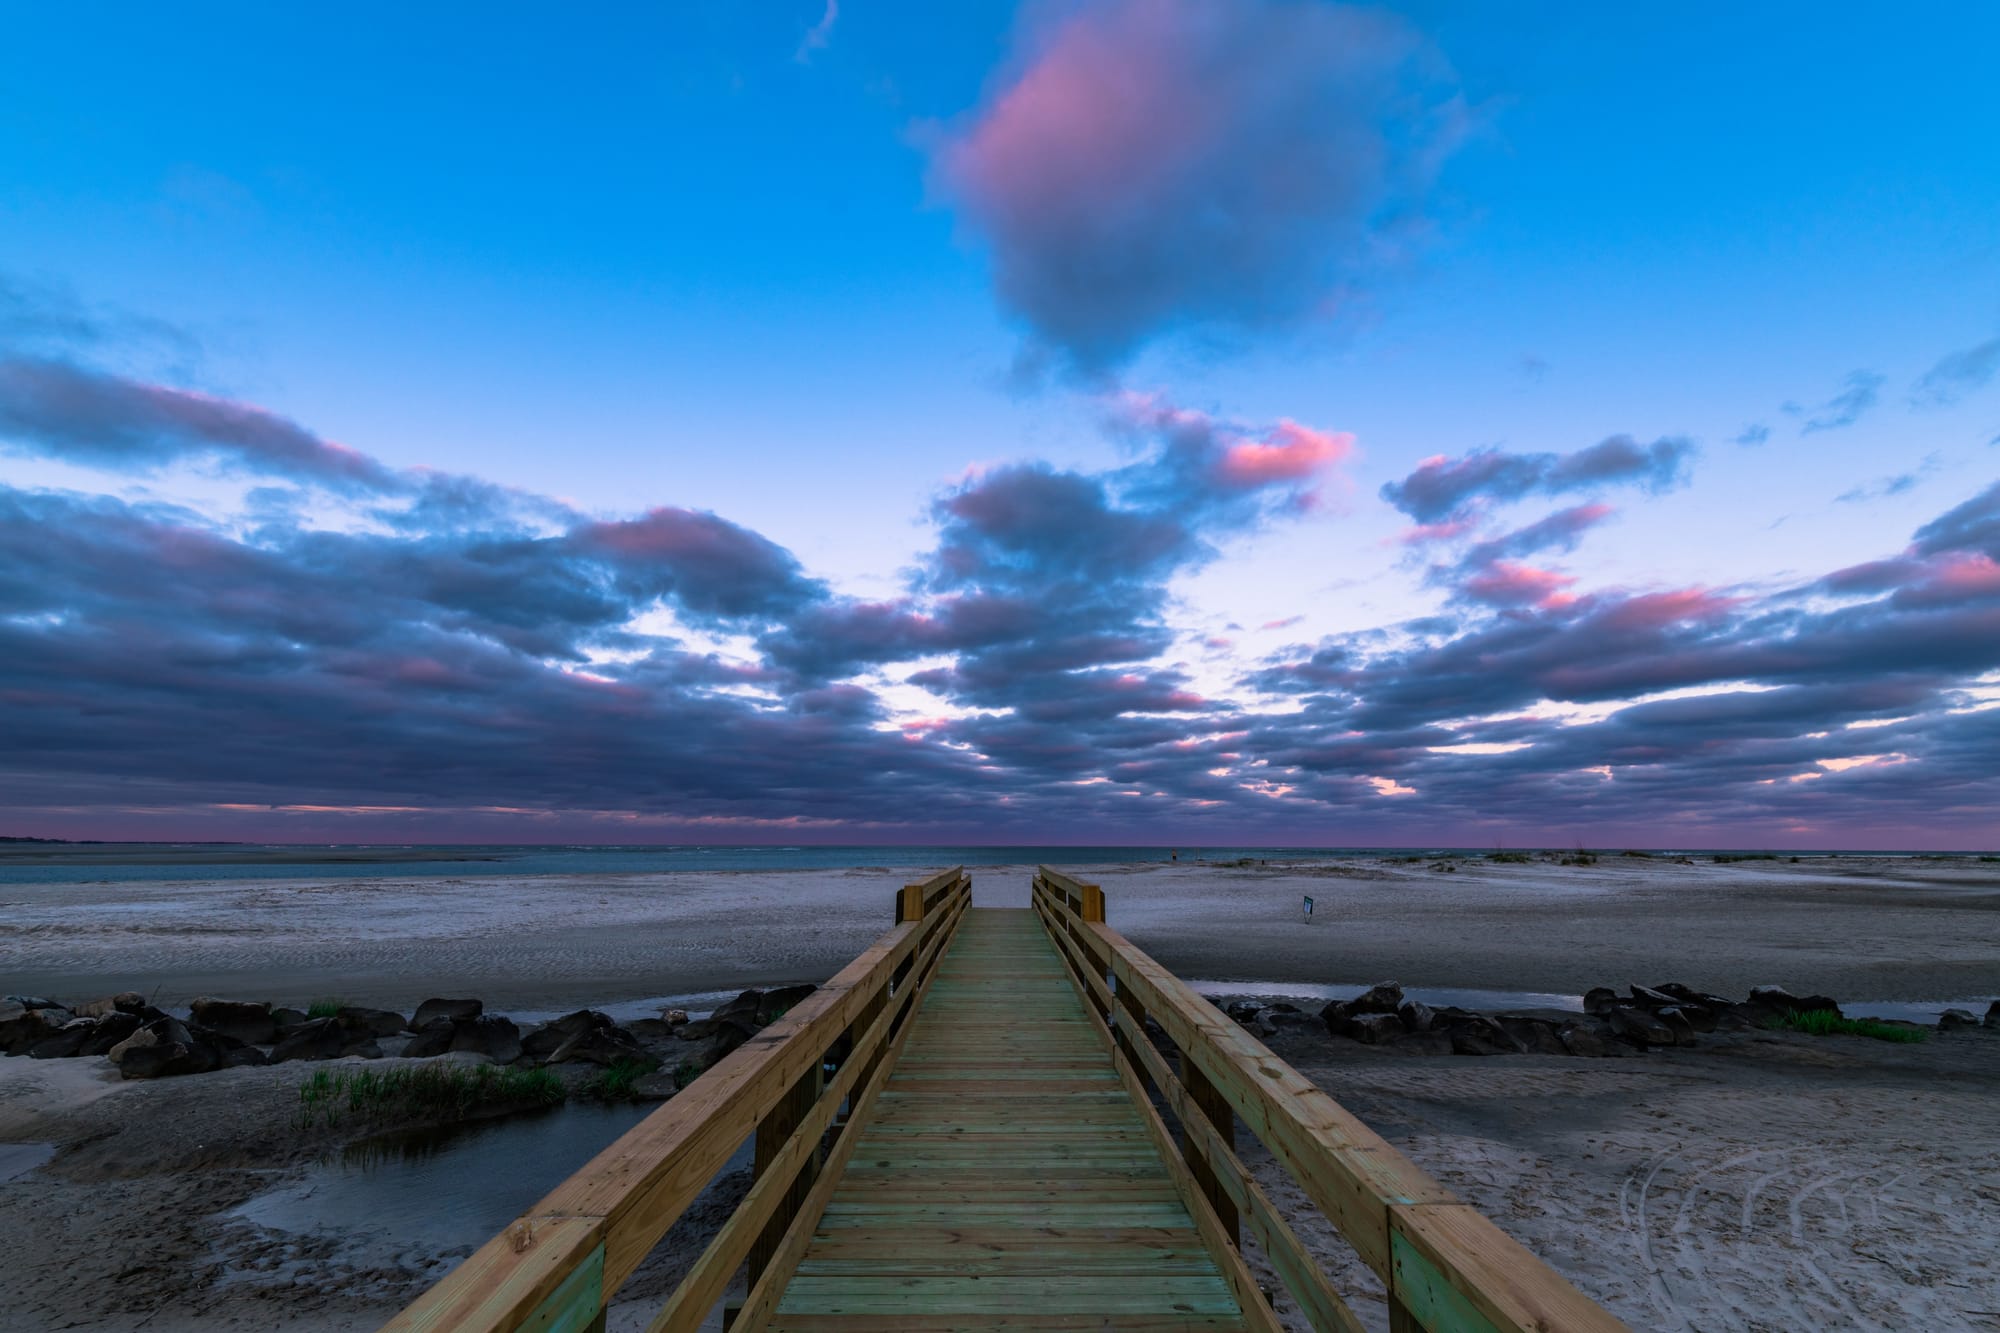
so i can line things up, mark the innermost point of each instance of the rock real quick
(598, 1046)
(1733, 1019)
(779, 1000)
(365, 1047)
(1640, 1027)
(434, 1038)
(1600, 1000)
(1243, 1011)
(369, 1022)
(1287, 1016)
(111, 1029)
(432, 1010)
(247, 1022)
(33, 1002)
(744, 1007)
(1688, 995)
(244, 1056)
(1338, 1016)
(489, 1035)
(1384, 997)
(289, 1018)
(656, 1086)
(1376, 1029)
(1676, 1018)
(675, 1017)
(545, 1040)
(1650, 998)
(702, 1029)
(31, 1025)
(68, 1040)
(1993, 1014)
(651, 1029)
(1784, 1002)
(1479, 1035)
(164, 1048)
(707, 1054)
(127, 1002)
(1417, 1016)
(314, 1039)
(1578, 1039)
(1949, 1020)
(1536, 1035)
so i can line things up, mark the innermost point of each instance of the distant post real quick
(1309, 907)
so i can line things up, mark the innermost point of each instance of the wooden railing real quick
(558, 1266)
(1445, 1266)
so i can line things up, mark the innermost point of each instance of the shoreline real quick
(1874, 930)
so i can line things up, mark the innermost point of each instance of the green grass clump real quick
(1510, 858)
(616, 1083)
(1724, 858)
(1826, 1023)
(1990, 858)
(324, 1008)
(428, 1091)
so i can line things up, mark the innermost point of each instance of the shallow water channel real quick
(448, 1188)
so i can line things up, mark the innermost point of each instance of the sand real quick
(1855, 928)
(1756, 1183)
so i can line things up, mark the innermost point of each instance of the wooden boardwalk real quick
(1006, 1179)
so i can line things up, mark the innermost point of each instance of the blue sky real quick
(858, 280)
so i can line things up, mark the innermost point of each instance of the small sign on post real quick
(1309, 906)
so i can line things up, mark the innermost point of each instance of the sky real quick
(1140, 421)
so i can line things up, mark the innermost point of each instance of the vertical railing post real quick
(1214, 1108)
(773, 1131)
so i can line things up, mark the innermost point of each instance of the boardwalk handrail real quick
(1444, 1264)
(558, 1265)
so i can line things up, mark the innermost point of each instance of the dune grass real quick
(324, 1007)
(616, 1083)
(1826, 1023)
(428, 1091)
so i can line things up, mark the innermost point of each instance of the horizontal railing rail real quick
(1444, 1264)
(557, 1267)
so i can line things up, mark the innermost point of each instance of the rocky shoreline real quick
(1644, 1018)
(145, 1042)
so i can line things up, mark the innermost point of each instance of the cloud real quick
(58, 409)
(1442, 489)
(819, 34)
(1956, 375)
(1862, 389)
(1150, 166)
(1753, 434)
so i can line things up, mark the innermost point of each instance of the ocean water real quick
(83, 863)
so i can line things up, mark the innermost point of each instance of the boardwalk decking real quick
(1005, 1179)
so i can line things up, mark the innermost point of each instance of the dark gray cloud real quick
(1160, 165)
(1957, 374)
(1442, 489)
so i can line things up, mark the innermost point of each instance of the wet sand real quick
(1853, 927)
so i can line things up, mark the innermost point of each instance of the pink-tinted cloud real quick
(1153, 164)
(1290, 452)
(1505, 583)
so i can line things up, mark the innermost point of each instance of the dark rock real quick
(489, 1035)
(28, 1027)
(743, 1007)
(1784, 1002)
(68, 1040)
(432, 1010)
(1689, 996)
(1243, 1010)
(1993, 1014)
(128, 1002)
(652, 1029)
(599, 1046)
(111, 1029)
(1417, 1016)
(250, 1023)
(780, 999)
(1733, 1019)
(1948, 1021)
(705, 1055)
(656, 1086)
(1279, 1016)
(545, 1040)
(314, 1039)
(1479, 1035)
(1649, 998)
(1536, 1035)
(673, 1017)
(703, 1029)
(369, 1022)
(164, 1048)
(243, 1056)
(434, 1038)
(1600, 1000)
(1640, 1027)
(1584, 1040)
(1384, 997)
(1338, 1015)
(34, 1002)
(1376, 1029)
(364, 1046)
(1676, 1018)
(289, 1018)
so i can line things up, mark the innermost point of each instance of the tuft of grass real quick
(1724, 858)
(1826, 1023)
(616, 1083)
(1990, 858)
(1509, 858)
(429, 1090)
(325, 1007)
